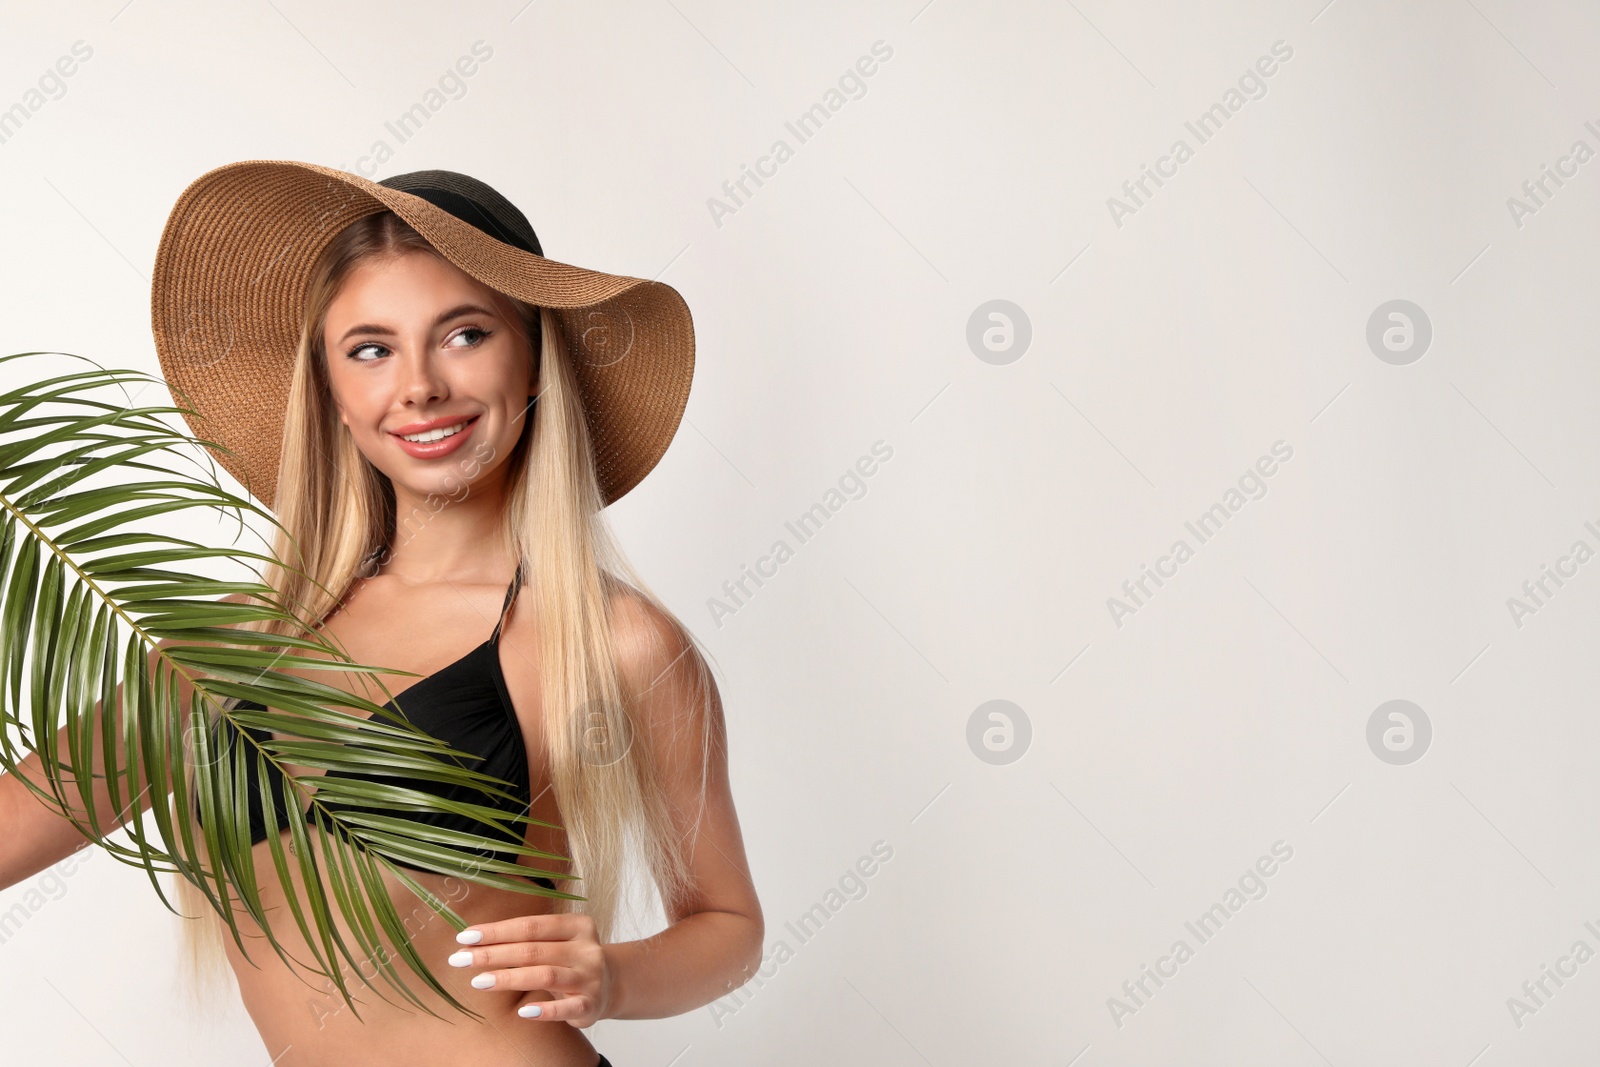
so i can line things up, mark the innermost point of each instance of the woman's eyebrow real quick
(455, 312)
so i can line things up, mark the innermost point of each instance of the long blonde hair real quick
(339, 511)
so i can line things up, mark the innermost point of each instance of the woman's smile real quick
(435, 437)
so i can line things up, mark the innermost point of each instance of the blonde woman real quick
(438, 415)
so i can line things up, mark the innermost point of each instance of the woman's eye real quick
(479, 336)
(473, 335)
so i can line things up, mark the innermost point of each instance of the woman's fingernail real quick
(461, 959)
(469, 937)
(483, 981)
(530, 1011)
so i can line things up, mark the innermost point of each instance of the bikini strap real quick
(511, 594)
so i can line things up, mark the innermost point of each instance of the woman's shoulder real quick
(641, 628)
(654, 649)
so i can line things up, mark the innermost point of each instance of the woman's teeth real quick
(435, 435)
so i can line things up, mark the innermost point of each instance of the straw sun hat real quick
(228, 292)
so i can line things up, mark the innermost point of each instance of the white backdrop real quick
(1340, 350)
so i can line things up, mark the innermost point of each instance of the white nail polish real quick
(483, 981)
(461, 959)
(530, 1011)
(469, 937)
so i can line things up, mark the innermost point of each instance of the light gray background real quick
(1168, 353)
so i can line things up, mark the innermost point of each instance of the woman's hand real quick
(557, 952)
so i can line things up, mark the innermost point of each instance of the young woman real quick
(438, 414)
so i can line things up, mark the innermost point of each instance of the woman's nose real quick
(420, 381)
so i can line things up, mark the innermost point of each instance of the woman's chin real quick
(435, 490)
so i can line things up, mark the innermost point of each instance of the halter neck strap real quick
(511, 594)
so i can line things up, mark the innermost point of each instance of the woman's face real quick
(429, 371)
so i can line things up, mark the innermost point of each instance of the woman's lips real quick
(442, 447)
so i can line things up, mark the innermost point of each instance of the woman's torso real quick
(300, 1014)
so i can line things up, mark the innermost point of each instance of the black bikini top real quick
(466, 705)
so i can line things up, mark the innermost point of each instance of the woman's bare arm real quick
(714, 942)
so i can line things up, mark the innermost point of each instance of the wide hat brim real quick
(227, 299)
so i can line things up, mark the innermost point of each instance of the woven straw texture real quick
(227, 295)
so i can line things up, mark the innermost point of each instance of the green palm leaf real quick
(100, 609)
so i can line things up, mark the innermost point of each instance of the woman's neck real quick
(438, 539)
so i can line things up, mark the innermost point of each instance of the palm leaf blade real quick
(92, 589)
